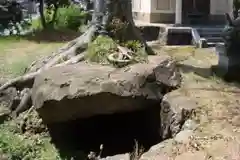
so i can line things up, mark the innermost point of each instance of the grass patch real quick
(16, 53)
(20, 147)
(179, 53)
(17, 68)
(17, 146)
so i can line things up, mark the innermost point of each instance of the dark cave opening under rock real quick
(118, 132)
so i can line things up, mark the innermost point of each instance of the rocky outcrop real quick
(9, 99)
(176, 127)
(175, 110)
(163, 150)
(85, 90)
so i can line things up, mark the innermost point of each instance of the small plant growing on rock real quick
(100, 48)
(137, 152)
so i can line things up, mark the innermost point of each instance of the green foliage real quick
(100, 48)
(103, 46)
(70, 17)
(17, 68)
(67, 17)
(140, 54)
(12, 18)
(236, 4)
(236, 7)
(133, 45)
(17, 147)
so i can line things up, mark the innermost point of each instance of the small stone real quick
(118, 157)
(183, 136)
(236, 121)
(190, 125)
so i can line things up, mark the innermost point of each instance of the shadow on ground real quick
(209, 73)
(118, 133)
(48, 36)
(203, 72)
(51, 35)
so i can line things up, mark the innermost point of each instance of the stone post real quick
(178, 12)
(230, 5)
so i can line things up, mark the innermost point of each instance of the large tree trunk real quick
(41, 11)
(106, 12)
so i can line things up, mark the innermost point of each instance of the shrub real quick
(70, 17)
(67, 17)
(133, 45)
(100, 48)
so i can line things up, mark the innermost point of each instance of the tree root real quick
(20, 80)
(68, 54)
(73, 60)
(24, 104)
(73, 52)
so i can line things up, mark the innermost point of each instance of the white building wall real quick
(141, 6)
(219, 7)
(163, 6)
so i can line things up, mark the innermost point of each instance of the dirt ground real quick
(217, 136)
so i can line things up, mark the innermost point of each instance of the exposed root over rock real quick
(104, 25)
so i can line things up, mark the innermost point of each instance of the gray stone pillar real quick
(178, 12)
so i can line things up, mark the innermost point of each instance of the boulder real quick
(163, 150)
(184, 136)
(84, 90)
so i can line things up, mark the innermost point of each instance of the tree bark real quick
(55, 10)
(106, 12)
(41, 11)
